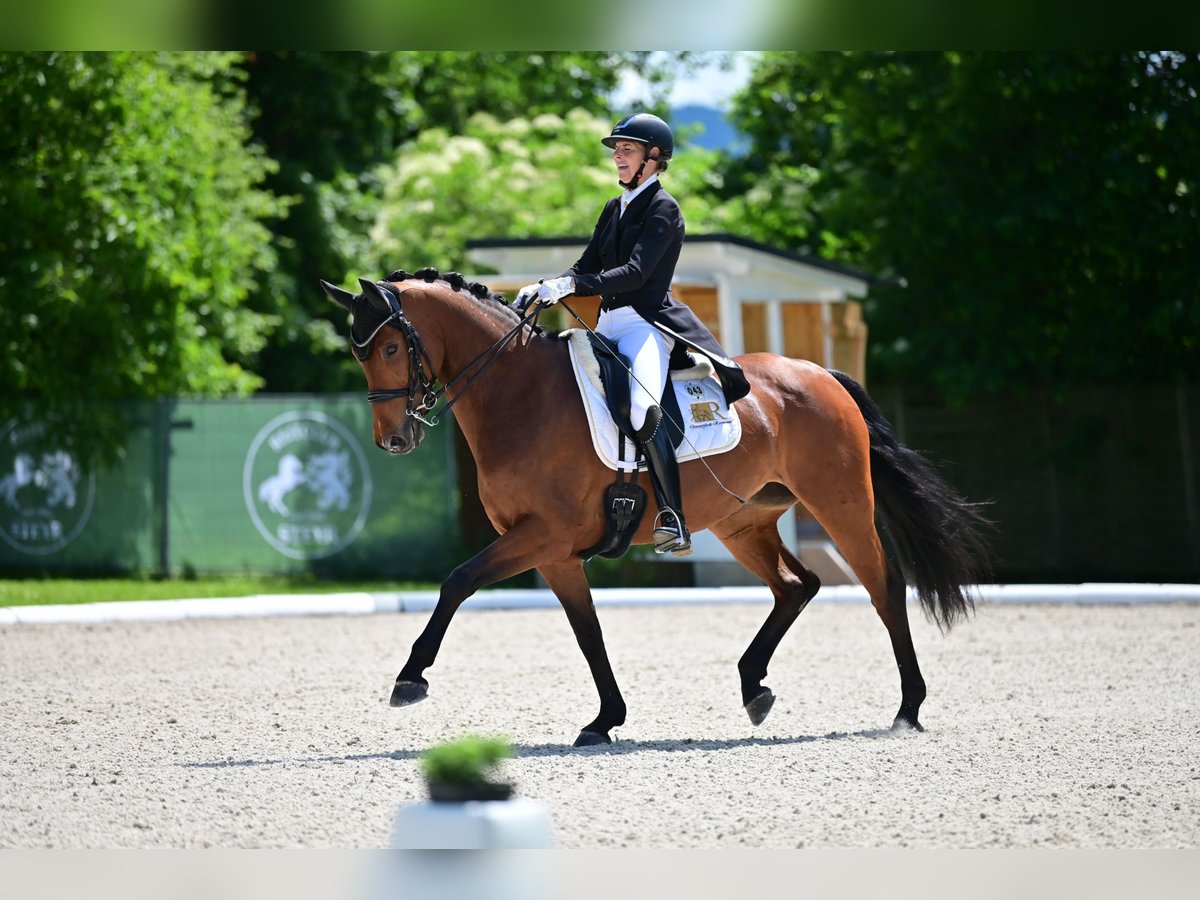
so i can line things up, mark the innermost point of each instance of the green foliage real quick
(1041, 207)
(467, 760)
(544, 176)
(548, 176)
(450, 86)
(134, 190)
(132, 233)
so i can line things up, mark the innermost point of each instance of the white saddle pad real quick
(711, 427)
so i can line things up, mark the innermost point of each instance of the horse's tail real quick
(935, 534)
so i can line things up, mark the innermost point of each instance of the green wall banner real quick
(262, 484)
(55, 515)
(1087, 484)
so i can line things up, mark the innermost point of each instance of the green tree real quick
(546, 176)
(1040, 207)
(132, 233)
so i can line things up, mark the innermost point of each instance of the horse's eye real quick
(391, 350)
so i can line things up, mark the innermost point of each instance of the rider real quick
(629, 263)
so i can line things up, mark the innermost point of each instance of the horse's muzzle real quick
(396, 445)
(406, 441)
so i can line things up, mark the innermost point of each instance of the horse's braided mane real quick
(456, 281)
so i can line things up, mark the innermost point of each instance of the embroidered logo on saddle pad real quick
(711, 427)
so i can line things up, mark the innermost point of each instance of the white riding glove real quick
(550, 292)
(547, 292)
(525, 295)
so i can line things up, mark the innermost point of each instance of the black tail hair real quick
(935, 535)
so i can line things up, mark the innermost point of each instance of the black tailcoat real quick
(630, 261)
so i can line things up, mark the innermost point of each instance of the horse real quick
(809, 435)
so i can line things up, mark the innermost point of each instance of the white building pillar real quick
(775, 327)
(729, 314)
(827, 333)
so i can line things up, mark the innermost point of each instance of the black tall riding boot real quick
(670, 531)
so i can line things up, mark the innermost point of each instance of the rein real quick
(418, 359)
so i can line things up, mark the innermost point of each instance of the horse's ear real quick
(337, 295)
(375, 295)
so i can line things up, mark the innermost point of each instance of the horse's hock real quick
(799, 530)
(822, 557)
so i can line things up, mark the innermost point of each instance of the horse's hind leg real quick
(852, 528)
(912, 684)
(752, 536)
(570, 585)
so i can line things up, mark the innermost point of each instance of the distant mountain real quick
(714, 131)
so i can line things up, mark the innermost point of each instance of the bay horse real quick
(809, 435)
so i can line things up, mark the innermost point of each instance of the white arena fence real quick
(424, 601)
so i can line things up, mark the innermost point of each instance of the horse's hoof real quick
(591, 739)
(903, 724)
(759, 705)
(406, 693)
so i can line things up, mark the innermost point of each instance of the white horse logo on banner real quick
(307, 485)
(40, 502)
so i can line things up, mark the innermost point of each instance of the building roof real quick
(717, 237)
(759, 269)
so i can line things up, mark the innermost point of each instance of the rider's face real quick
(627, 156)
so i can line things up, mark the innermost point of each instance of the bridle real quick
(418, 360)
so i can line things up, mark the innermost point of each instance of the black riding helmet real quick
(645, 129)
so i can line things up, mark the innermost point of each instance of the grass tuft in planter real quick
(459, 770)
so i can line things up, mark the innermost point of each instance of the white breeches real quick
(648, 350)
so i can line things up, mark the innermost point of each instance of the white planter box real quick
(475, 825)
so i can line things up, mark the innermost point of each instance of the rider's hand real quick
(526, 294)
(550, 292)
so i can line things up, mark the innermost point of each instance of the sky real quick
(706, 87)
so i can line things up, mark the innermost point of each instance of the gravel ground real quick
(1047, 726)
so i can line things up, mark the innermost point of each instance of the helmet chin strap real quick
(637, 176)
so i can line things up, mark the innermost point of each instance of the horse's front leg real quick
(570, 585)
(518, 550)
